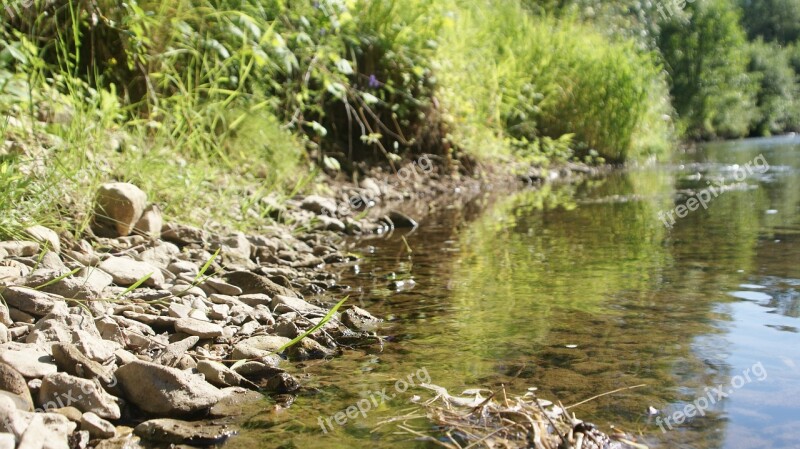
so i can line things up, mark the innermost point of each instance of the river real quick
(581, 289)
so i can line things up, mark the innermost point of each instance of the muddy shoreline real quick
(144, 332)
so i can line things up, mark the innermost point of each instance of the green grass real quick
(210, 105)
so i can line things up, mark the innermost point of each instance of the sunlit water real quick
(580, 290)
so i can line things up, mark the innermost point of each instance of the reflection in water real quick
(580, 290)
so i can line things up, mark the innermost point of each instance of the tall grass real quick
(511, 75)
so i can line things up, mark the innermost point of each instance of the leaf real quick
(319, 129)
(134, 286)
(331, 163)
(369, 98)
(343, 66)
(53, 281)
(317, 326)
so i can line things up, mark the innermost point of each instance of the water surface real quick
(579, 290)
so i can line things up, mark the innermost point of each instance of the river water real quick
(579, 290)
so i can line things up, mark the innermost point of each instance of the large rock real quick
(126, 271)
(151, 222)
(173, 431)
(285, 304)
(32, 301)
(118, 207)
(199, 328)
(30, 361)
(319, 205)
(45, 235)
(166, 391)
(70, 359)
(254, 283)
(64, 390)
(61, 328)
(13, 382)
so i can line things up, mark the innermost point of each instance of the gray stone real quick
(150, 223)
(222, 287)
(242, 351)
(118, 207)
(174, 352)
(202, 329)
(401, 220)
(319, 205)
(7, 440)
(283, 304)
(184, 267)
(359, 319)
(220, 375)
(62, 389)
(159, 255)
(96, 277)
(127, 271)
(254, 283)
(13, 382)
(182, 235)
(31, 301)
(60, 327)
(330, 224)
(269, 343)
(31, 362)
(74, 288)
(5, 335)
(255, 299)
(5, 318)
(234, 402)
(19, 248)
(70, 359)
(97, 426)
(165, 391)
(45, 235)
(172, 431)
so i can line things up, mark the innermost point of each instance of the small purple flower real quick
(373, 82)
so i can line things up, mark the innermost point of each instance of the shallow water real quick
(580, 290)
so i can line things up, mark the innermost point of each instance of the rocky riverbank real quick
(144, 331)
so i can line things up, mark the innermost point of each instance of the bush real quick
(709, 85)
(778, 98)
(525, 77)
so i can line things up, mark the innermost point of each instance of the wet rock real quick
(282, 383)
(308, 348)
(172, 431)
(62, 389)
(97, 426)
(254, 283)
(269, 343)
(319, 205)
(220, 375)
(19, 248)
(284, 304)
(150, 223)
(165, 391)
(202, 329)
(234, 401)
(183, 235)
(44, 236)
(359, 319)
(31, 301)
(118, 207)
(31, 362)
(327, 223)
(401, 220)
(127, 271)
(13, 382)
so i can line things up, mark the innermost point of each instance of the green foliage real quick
(525, 77)
(772, 20)
(711, 90)
(778, 98)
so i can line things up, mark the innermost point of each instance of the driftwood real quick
(482, 418)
